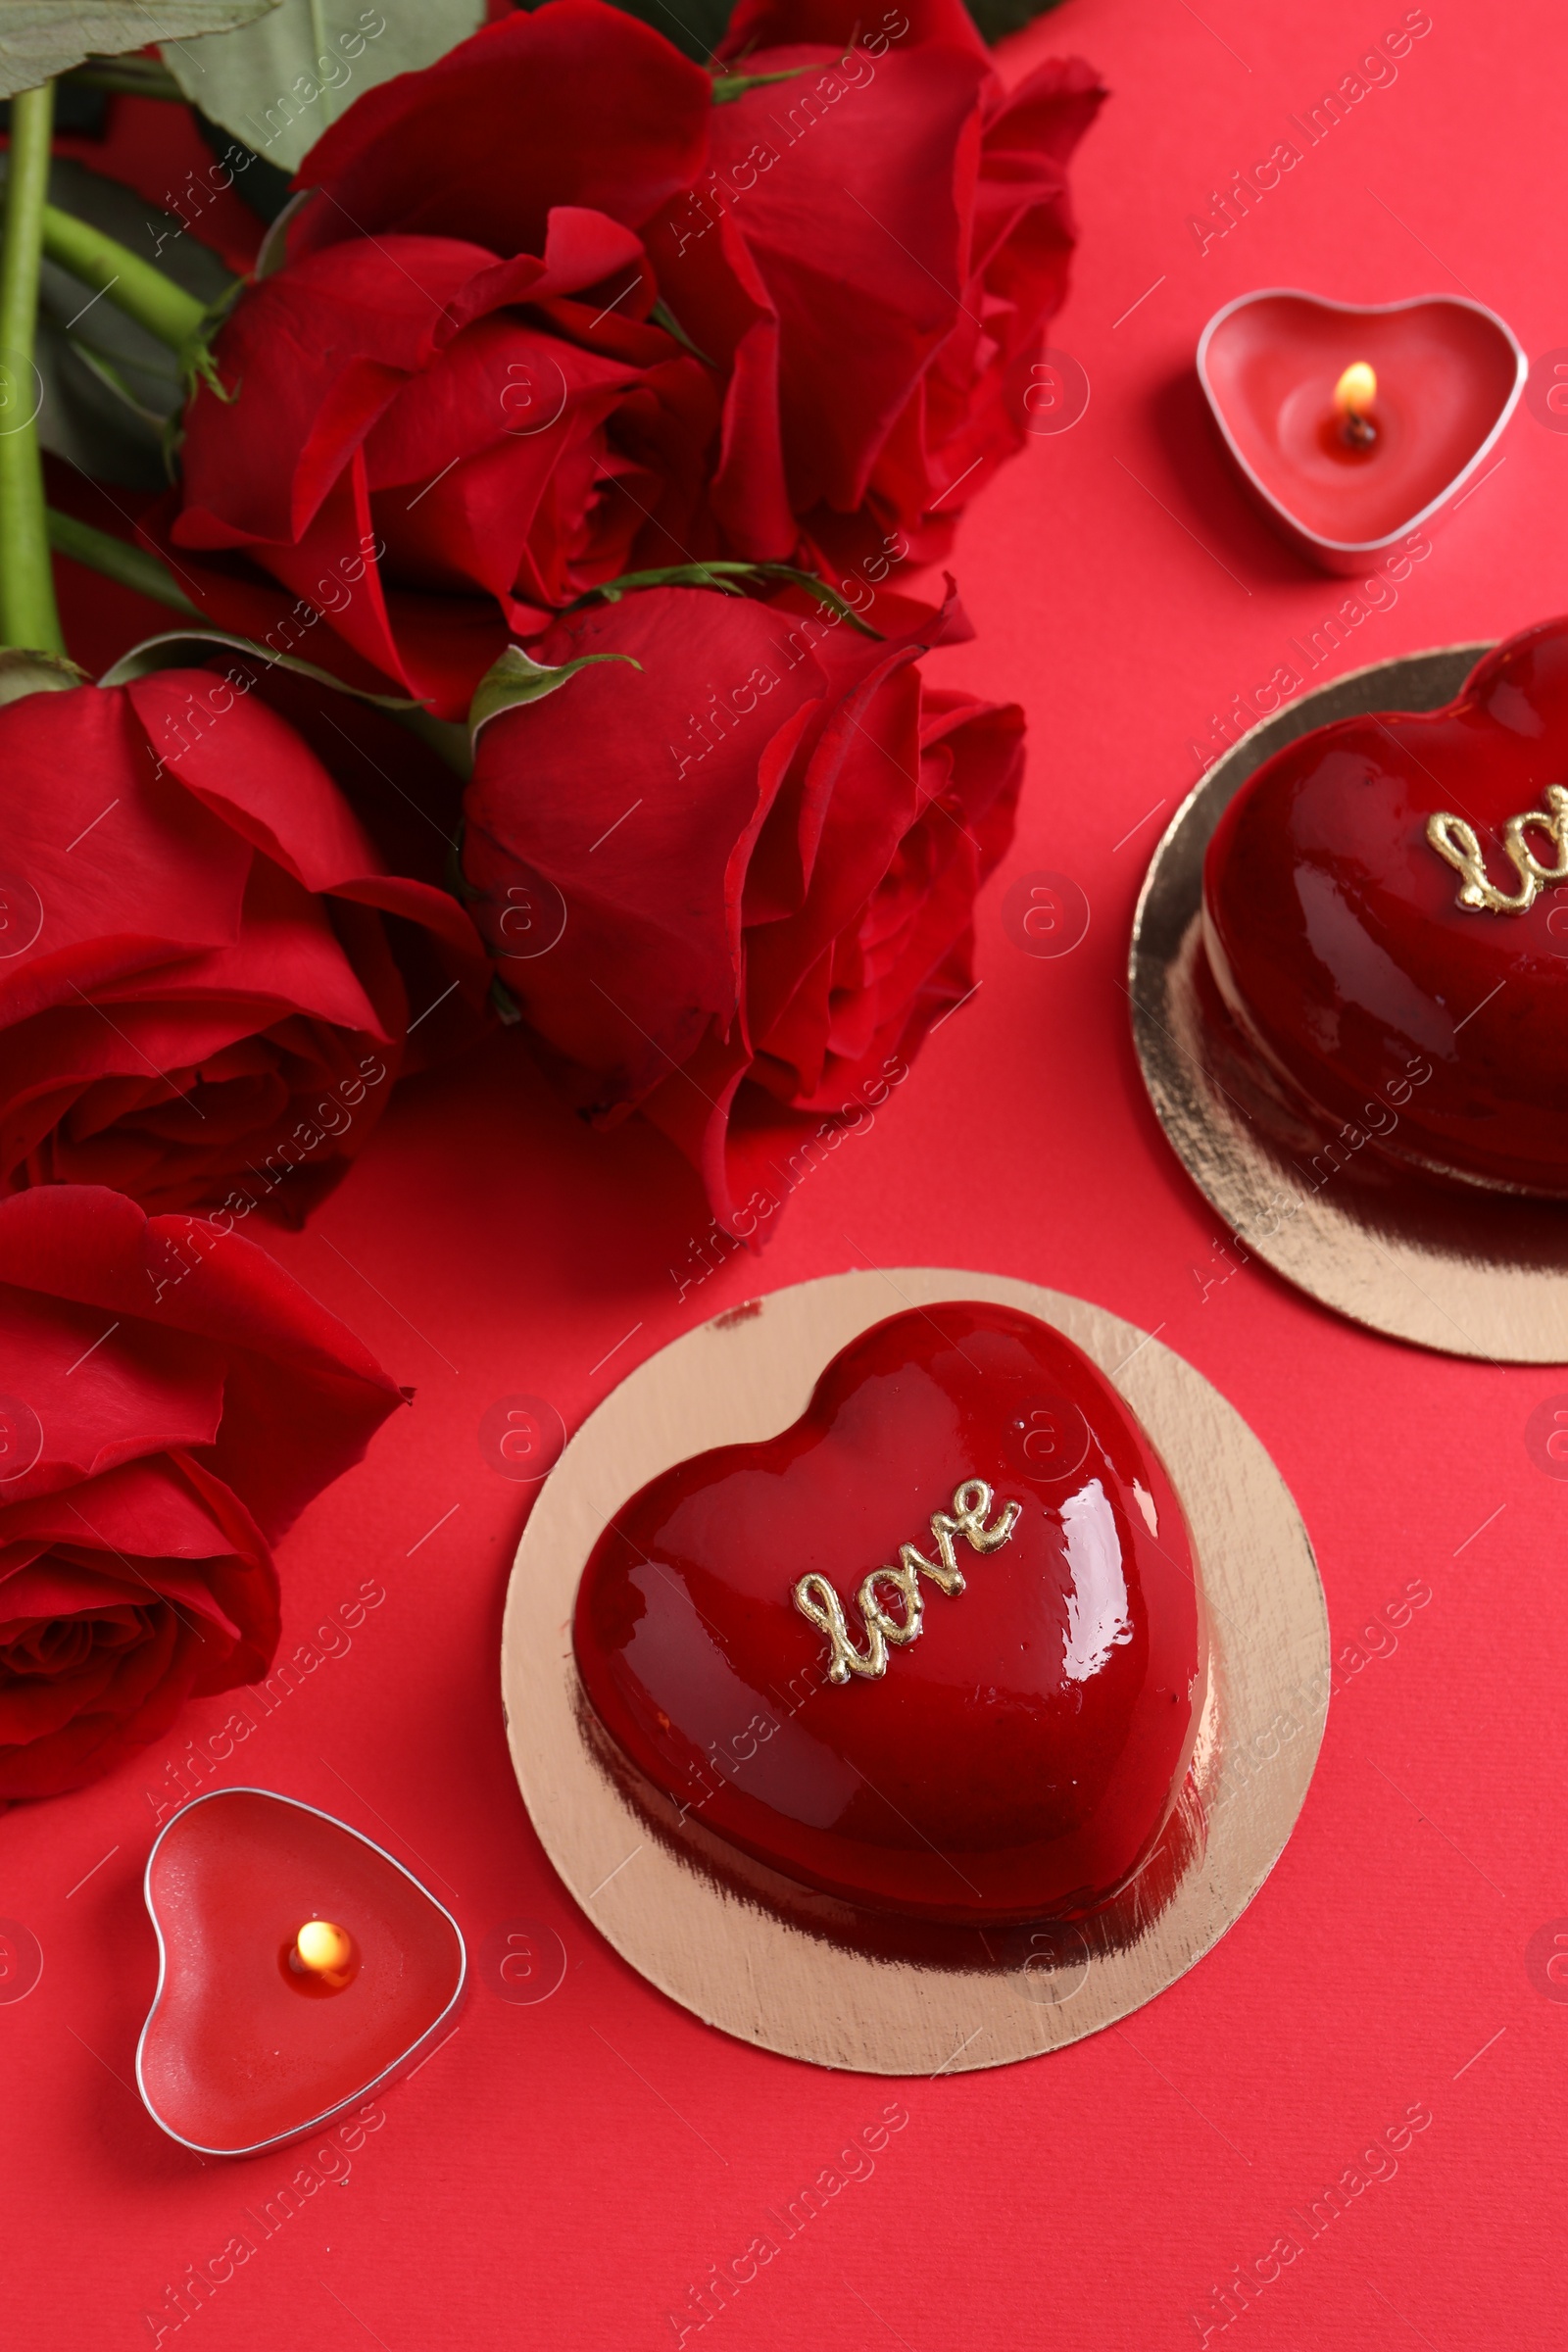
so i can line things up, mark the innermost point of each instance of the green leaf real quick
(725, 574)
(184, 648)
(662, 316)
(196, 645)
(117, 559)
(110, 374)
(37, 673)
(727, 87)
(278, 84)
(673, 575)
(516, 679)
(41, 38)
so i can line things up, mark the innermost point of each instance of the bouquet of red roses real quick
(565, 460)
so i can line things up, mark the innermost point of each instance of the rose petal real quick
(576, 105)
(287, 1366)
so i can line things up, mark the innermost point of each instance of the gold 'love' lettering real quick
(816, 1599)
(1458, 842)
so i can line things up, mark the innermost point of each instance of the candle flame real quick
(1356, 389)
(322, 1947)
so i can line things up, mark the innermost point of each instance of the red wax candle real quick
(1448, 377)
(301, 1969)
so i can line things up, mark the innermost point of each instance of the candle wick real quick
(1353, 395)
(323, 1955)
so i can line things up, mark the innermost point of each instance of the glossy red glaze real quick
(236, 2054)
(1016, 1761)
(1336, 937)
(1449, 376)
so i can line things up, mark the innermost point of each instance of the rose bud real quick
(173, 1401)
(733, 887)
(200, 1001)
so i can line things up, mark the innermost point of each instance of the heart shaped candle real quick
(935, 1649)
(1385, 914)
(1446, 376)
(301, 1968)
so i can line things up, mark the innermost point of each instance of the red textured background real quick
(561, 2173)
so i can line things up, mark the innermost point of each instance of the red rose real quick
(170, 1408)
(909, 219)
(616, 322)
(461, 372)
(740, 909)
(199, 997)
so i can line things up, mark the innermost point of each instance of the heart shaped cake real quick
(241, 2049)
(935, 1650)
(1386, 917)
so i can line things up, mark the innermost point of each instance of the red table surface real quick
(564, 2171)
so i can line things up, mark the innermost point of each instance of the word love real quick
(1456, 841)
(816, 1599)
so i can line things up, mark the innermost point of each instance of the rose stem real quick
(28, 618)
(124, 278)
(117, 559)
